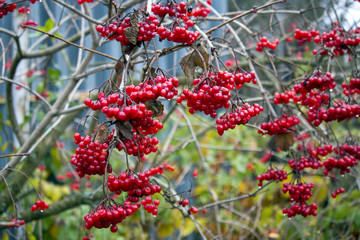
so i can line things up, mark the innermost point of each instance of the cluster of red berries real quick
(313, 162)
(16, 223)
(84, 1)
(337, 41)
(184, 203)
(279, 125)
(345, 148)
(208, 94)
(136, 185)
(337, 192)
(103, 217)
(319, 81)
(303, 209)
(237, 116)
(298, 192)
(200, 10)
(41, 205)
(147, 125)
(272, 175)
(339, 111)
(152, 89)
(352, 88)
(323, 150)
(139, 145)
(90, 157)
(173, 10)
(242, 78)
(175, 32)
(24, 10)
(285, 97)
(344, 164)
(264, 42)
(5, 8)
(305, 36)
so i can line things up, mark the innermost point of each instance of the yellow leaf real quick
(165, 230)
(5, 237)
(189, 227)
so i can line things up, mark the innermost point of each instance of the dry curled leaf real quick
(156, 107)
(282, 141)
(192, 59)
(132, 32)
(101, 133)
(124, 129)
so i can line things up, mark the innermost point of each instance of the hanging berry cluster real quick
(264, 43)
(279, 125)
(5, 8)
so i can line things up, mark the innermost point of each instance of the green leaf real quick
(49, 24)
(3, 147)
(54, 74)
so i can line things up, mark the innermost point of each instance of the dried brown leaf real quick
(192, 59)
(125, 130)
(101, 133)
(132, 32)
(156, 107)
(283, 141)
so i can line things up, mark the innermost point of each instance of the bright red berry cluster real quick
(139, 146)
(305, 36)
(209, 93)
(16, 223)
(279, 125)
(344, 164)
(264, 42)
(90, 157)
(103, 217)
(272, 175)
(84, 1)
(41, 205)
(299, 193)
(24, 10)
(171, 9)
(313, 162)
(339, 111)
(352, 88)
(337, 192)
(285, 97)
(200, 10)
(317, 81)
(5, 8)
(242, 78)
(152, 89)
(303, 209)
(236, 116)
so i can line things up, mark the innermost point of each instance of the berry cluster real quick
(285, 97)
(264, 42)
(84, 1)
(344, 164)
(278, 126)
(305, 36)
(319, 81)
(337, 192)
(103, 217)
(345, 148)
(173, 10)
(148, 28)
(136, 185)
(152, 89)
(237, 116)
(337, 41)
(24, 10)
(303, 209)
(313, 162)
(323, 150)
(41, 205)
(90, 157)
(139, 146)
(209, 94)
(5, 8)
(16, 223)
(200, 10)
(352, 88)
(242, 78)
(339, 111)
(272, 175)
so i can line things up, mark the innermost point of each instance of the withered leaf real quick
(156, 107)
(119, 65)
(192, 59)
(132, 32)
(124, 129)
(101, 133)
(282, 141)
